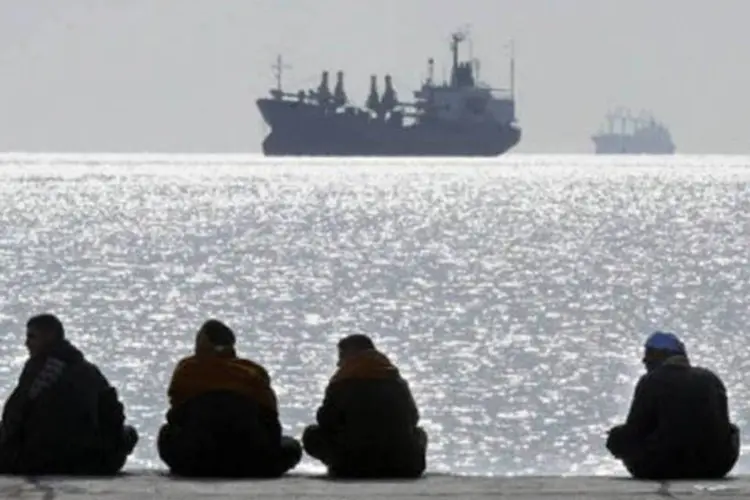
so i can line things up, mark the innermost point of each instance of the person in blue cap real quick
(678, 425)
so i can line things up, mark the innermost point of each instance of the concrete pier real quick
(157, 485)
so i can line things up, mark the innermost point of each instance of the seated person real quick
(223, 419)
(367, 424)
(678, 426)
(63, 417)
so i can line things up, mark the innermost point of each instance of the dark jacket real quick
(62, 418)
(677, 411)
(368, 404)
(200, 385)
(223, 419)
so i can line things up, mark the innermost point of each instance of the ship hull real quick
(299, 129)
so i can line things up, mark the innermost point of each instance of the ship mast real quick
(457, 38)
(278, 69)
(512, 70)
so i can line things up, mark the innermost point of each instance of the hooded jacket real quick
(367, 402)
(209, 394)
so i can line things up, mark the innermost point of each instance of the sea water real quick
(514, 294)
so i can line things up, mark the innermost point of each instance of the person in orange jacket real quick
(223, 419)
(368, 422)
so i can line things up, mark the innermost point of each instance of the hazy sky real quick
(183, 75)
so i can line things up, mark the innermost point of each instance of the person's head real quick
(42, 332)
(214, 339)
(353, 344)
(661, 346)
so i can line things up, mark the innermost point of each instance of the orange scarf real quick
(197, 375)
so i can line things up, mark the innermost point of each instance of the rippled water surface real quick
(513, 294)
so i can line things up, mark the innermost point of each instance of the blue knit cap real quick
(665, 341)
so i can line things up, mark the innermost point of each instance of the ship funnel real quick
(373, 100)
(324, 93)
(339, 95)
(389, 95)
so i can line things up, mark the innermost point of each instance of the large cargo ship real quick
(624, 133)
(460, 117)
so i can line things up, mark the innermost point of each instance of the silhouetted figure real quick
(223, 419)
(367, 424)
(63, 417)
(678, 426)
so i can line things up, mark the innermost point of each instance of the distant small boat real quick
(624, 133)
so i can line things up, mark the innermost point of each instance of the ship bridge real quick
(465, 99)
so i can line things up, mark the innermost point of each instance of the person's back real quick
(223, 419)
(678, 425)
(689, 398)
(221, 434)
(369, 401)
(367, 423)
(63, 417)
